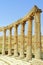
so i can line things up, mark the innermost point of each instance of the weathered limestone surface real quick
(15, 41)
(22, 41)
(4, 42)
(29, 40)
(37, 35)
(9, 42)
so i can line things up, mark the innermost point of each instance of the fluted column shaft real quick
(4, 43)
(15, 41)
(9, 42)
(22, 40)
(29, 40)
(37, 36)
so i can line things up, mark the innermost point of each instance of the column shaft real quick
(9, 42)
(29, 41)
(37, 36)
(15, 41)
(22, 41)
(4, 41)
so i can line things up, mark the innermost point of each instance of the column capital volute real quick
(10, 28)
(23, 23)
(38, 11)
(15, 26)
(31, 18)
(4, 29)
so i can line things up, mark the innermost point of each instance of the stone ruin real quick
(34, 14)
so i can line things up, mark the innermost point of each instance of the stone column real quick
(22, 41)
(29, 41)
(37, 36)
(4, 43)
(9, 41)
(15, 41)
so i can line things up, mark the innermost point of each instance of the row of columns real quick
(29, 39)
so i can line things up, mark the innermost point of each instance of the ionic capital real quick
(31, 18)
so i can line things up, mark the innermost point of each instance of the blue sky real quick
(12, 10)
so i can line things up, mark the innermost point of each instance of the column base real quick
(27, 59)
(29, 53)
(21, 57)
(9, 53)
(15, 55)
(3, 53)
(38, 54)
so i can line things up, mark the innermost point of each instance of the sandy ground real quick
(6, 60)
